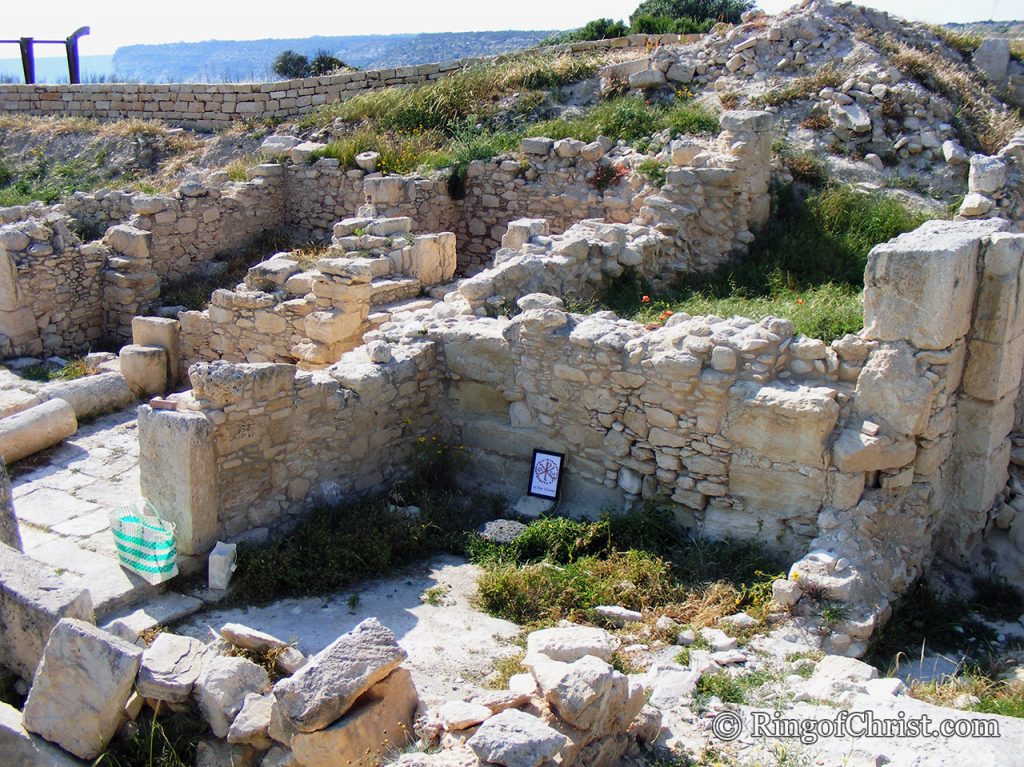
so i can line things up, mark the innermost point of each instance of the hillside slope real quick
(233, 60)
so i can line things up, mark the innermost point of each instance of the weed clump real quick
(563, 568)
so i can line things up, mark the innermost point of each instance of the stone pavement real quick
(63, 506)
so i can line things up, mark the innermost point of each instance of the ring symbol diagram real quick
(546, 470)
(727, 725)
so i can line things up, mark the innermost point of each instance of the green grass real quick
(562, 568)
(683, 656)
(729, 688)
(807, 266)
(45, 373)
(158, 741)
(334, 547)
(47, 181)
(447, 103)
(995, 696)
(630, 118)
(653, 171)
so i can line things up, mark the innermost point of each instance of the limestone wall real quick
(287, 311)
(51, 288)
(253, 441)
(211, 106)
(319, 195)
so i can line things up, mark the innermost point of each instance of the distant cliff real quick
(239, 60)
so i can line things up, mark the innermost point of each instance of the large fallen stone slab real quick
(20, 748)
(327, 686)
(516, 739)
(221, 689)
(170, 668)
(32, 601)
(379, 723)
(100, 393)
(80, 689)
(35, 429)
(10, 535)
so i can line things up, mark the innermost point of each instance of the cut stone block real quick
(170, 668)
(145, 369)
(20, 748)
(80, 689)
(32, 601)
(179, 474)
(920, 286)
(163, 332)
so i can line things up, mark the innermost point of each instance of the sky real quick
(115, 24)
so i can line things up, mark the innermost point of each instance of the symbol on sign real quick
(546, 470)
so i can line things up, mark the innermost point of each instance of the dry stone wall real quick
(258, 439)
(51, 287)
(211, 106)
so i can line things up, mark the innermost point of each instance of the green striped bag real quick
(145, 543)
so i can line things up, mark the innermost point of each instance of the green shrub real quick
(562, 568)
(324, 63)
(597, 29)
(729, 688)
(291, 65)
(662, 25)
(728, 11)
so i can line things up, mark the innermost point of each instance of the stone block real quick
(327, 687)
(783, 493)
(170, 668)
(145, 369)
(992, 58)
(379, 723)
(20, 748)
(10, 535)
(433, 258)
(178, 468)
(102, 393)
(163, 332)
(333, 325)
(32, 601)
(10, 292)
(855, 452)
(570, 643)
(221, 688)
(920, 286)
(514, 738)
(993, 370)
(79, 691)
(891, 389)
(783, 423)
(129, 241)
(35, 429)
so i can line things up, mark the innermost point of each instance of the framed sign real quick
(546, 474)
